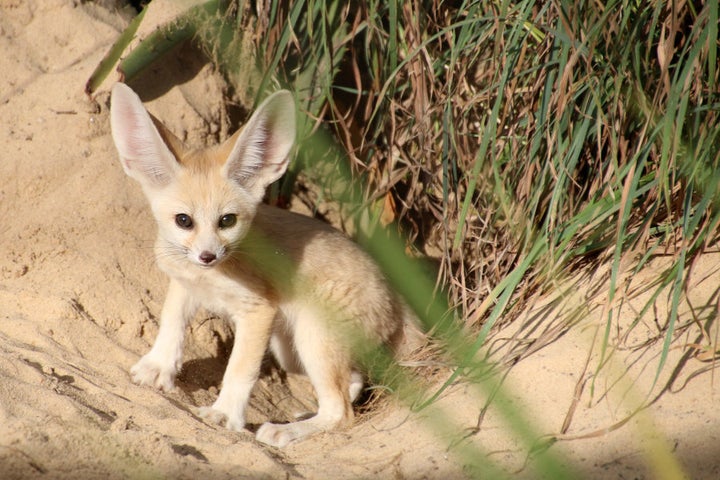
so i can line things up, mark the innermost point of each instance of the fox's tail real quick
(411, 339)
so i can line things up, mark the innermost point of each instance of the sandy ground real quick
(80, 298)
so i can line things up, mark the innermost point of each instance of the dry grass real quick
(483, 128)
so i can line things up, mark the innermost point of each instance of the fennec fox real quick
(321, 297)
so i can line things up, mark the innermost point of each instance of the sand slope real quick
(80, 296)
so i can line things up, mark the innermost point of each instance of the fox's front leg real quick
(252, 335)
(161, 364)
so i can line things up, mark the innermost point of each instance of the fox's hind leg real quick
(283, 349)
(357, 382)
(327, 363)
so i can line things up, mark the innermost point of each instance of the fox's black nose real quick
(207, 257)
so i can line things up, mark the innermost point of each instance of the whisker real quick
(171, 251)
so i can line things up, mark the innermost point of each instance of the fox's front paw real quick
(229, 420)
(150, 371)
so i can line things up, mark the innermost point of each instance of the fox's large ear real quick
(260, 153)
(143, 152)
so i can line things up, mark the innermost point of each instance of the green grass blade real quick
(113, 55)
(168, 36)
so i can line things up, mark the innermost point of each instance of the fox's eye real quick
(228, 220)
(184, 221)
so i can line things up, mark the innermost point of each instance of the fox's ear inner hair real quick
(260, 154)
(143, 150)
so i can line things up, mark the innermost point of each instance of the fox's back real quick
(317, 263)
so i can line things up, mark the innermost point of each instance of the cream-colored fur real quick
(287, 282)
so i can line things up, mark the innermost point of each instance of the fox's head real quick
(204, 201)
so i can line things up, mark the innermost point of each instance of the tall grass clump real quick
(511, 143)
